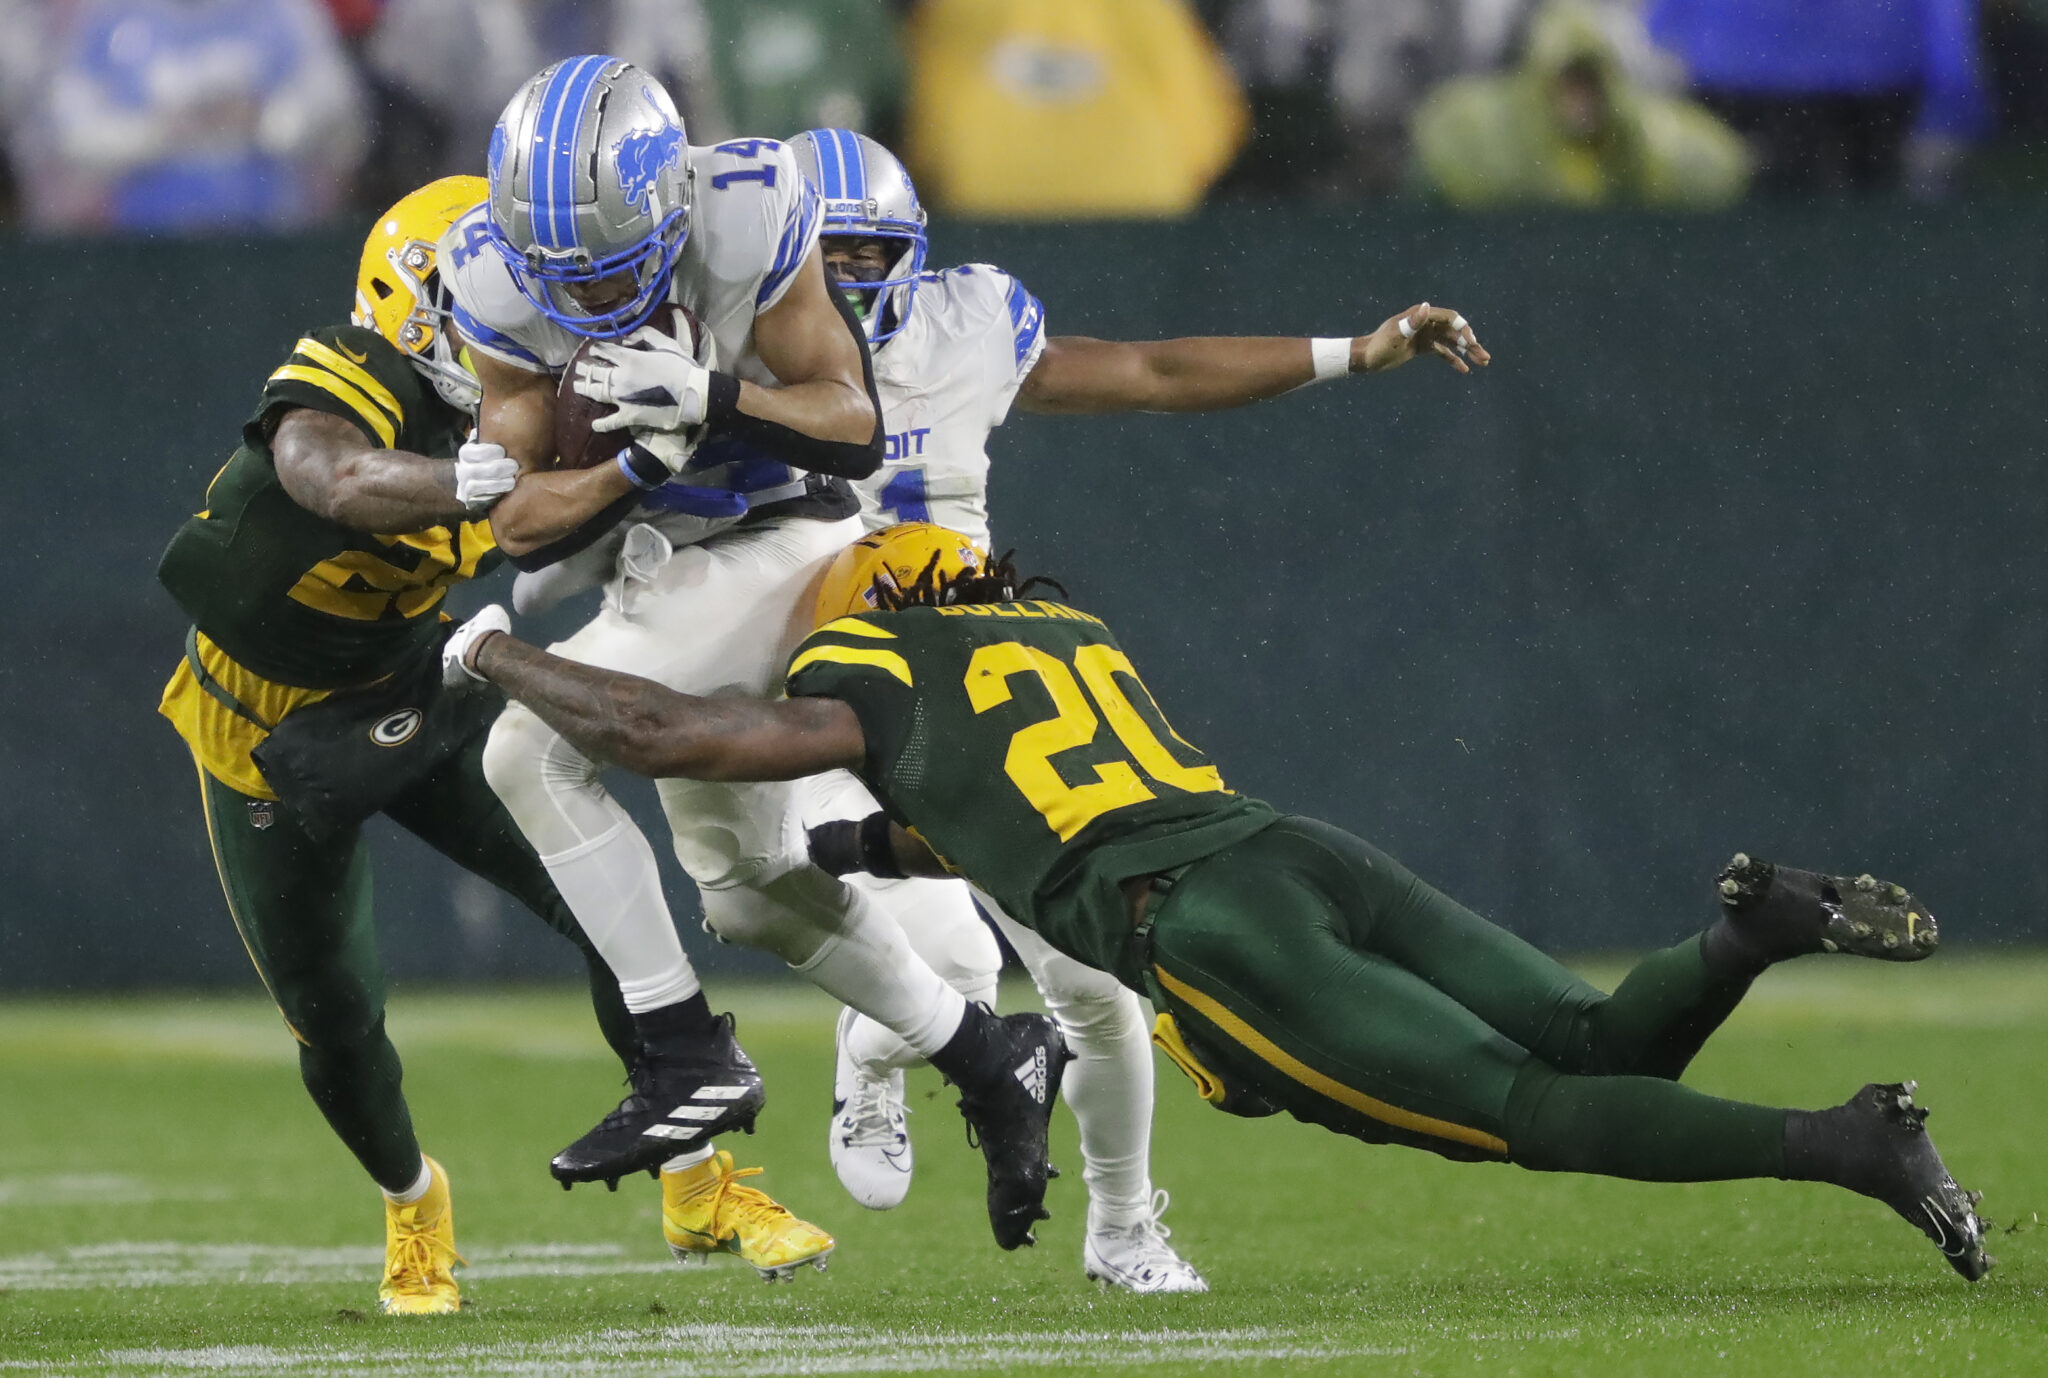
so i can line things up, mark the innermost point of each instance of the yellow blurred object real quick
(897, 556)
(1036, 109)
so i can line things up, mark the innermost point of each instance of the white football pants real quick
(1109, 1086)
(720, 617)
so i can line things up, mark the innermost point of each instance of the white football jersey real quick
(753, 221)
(945, 380)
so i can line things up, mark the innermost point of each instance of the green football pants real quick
(1321, 973)
(303, 907)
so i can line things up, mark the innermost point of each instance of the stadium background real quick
(1737, 545)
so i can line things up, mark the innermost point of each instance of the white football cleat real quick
(1137, 1257)
(870, 1137)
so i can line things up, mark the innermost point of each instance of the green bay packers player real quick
(310, 697)
(1294, 967)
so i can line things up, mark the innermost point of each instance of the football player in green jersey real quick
(1294, 967)
(310, 696)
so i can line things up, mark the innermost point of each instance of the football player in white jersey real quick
(599, 211)
(953, 351)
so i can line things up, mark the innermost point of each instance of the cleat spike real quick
(1830, 945)
(1866, 882)
(611, 1184)
(1740, 863)
(567, 1185)
(1729, 889)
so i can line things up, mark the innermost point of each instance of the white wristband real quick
(1331, 357)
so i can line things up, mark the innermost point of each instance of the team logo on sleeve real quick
(642, 156)
(395, 729)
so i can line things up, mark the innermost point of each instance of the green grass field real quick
(170, 1202)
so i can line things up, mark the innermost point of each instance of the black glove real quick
(844, 845)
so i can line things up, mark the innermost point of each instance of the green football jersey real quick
(302, 600)
(1018, 742)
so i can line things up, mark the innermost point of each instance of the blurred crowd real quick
(201, 115)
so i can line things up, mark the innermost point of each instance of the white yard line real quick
(90, 1266)
(725, 1351)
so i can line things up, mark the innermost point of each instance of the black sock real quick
(964, 1060)
(1729, 953)
(686, 1021)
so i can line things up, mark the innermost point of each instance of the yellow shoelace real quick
(413, 1260)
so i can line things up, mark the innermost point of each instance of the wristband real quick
(843, 846)
(1331, 357)
(722, 397)
(642, 469)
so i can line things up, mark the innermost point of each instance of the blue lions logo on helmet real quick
(644, 156)
(499, 140)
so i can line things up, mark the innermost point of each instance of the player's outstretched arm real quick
(1078, 375)
(330, 468)
(651, 730)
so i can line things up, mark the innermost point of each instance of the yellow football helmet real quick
(398, 293)
(896, 557)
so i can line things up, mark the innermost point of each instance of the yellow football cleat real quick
(705, 1211)
(419, 1254)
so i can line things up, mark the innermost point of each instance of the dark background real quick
(1736, 545)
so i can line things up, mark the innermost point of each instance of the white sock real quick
(1109, 1084)
(612, 885)
(877, 1052)
(415, 1191)
(870, 966)
(683, 1162)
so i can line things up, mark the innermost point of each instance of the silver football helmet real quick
(868, 194)
(590, 180)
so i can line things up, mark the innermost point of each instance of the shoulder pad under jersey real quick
(491, 313)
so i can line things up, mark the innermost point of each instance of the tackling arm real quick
(825, 416)
(651, 730)
(330, 468)
(1077, 375)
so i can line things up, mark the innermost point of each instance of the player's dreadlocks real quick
(994, 582)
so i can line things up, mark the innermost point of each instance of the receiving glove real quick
(455, 674)
(651, 381)
(483, 474)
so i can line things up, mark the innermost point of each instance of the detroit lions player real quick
(953, 351)
(599, 211)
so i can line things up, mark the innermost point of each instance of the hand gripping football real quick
(577, 446)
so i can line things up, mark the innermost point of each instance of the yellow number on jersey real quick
(1069, 808)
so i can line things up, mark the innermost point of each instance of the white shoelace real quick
(1148, 1240)
(873, 1118)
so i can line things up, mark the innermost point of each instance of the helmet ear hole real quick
(382, 288)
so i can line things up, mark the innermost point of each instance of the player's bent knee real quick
(791, 916)
(939, 919)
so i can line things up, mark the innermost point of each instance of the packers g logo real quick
(397, 728)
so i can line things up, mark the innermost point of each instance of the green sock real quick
(1662, 1012)
(1642, 1128)
(356, 1086)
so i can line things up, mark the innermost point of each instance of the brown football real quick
(577, 446)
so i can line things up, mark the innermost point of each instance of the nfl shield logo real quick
(262, 813)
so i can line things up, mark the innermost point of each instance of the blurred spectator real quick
(785, 66)
(191, 115)
(1569, 128)
(1838, 95)
(1333, 83)
(1049, 108)
(445, 68)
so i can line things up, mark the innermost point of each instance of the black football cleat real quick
(1009, 1116)
(1787, 913)
(683, 1098)
(1888, 1154)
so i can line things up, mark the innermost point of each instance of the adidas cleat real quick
(682, 1099)
(869, 1140)
(1009, 1116)
(1136, 1257)
(1889, 1155)
(1787, 912)
(704, 1211)
(419, 1253)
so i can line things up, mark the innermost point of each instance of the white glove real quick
(455, 674)
(650, 379)
(483, 474)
